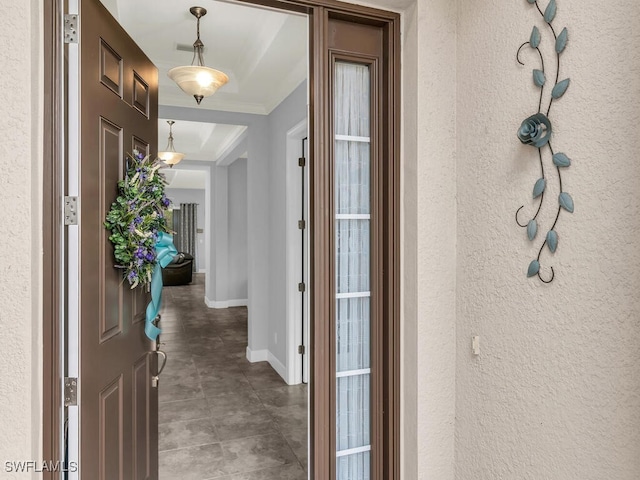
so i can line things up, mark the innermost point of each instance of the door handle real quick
(164, 361)
(155, 378)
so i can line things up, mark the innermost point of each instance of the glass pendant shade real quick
(170, 156)
(198, 80)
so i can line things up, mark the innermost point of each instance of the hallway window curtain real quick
(187, 232)
(353, 240)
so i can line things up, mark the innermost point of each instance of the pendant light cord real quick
(198, 46)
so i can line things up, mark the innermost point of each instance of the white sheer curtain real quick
(353, 241)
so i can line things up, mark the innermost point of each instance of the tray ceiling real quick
(264, 52)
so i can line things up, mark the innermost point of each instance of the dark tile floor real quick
(222, 417)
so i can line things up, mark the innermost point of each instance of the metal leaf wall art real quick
(537, 131)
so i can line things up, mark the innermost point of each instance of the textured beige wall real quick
(409, 252)
(428, 237)
(435, 210)
(555, 393)
(20, 231)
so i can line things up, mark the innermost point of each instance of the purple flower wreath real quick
(136, 218)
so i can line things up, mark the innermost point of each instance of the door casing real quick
(319, 12)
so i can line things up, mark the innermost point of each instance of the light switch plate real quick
(475, 345)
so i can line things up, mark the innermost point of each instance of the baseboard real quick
(277, 366)
(201, 271)
(258, 355)
(266, 356)
(226, 303)
(241, 302)
(209, 303)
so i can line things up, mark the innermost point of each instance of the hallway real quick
(222, 417)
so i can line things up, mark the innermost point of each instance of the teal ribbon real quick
(165, 251)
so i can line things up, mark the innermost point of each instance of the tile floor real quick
(222, 417)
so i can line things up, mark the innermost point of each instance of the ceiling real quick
(263, 51)
(180, 178)
(198, 140)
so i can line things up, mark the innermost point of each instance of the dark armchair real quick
(179, 271)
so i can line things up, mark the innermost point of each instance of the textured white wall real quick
(409, 252)
(435, 241)
(20, 226)
(555, 392)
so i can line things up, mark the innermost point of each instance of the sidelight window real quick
(353, 270)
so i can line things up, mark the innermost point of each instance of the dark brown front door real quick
(118, 113)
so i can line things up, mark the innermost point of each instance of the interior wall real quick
(258, 236)
(217, 282)
(193, 195)
(262, 180)
(555, 392)
(237, 273)
(21, 96)
(257, 215)
(288, 114)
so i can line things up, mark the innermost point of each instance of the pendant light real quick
(198, 80)
(170, 156)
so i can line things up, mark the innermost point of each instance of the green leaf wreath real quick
(136, 218)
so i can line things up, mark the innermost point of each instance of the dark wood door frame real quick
(53, 160)
(322, 458)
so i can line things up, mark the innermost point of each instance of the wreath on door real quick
(137, 220)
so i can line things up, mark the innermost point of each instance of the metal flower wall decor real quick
(537, 131)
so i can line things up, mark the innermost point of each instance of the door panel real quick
(141, 420)
(110, 166)
(111, 436)
(110, 68)
(118, 111)
(140, 95)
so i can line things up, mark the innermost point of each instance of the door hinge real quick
(302, 161)
(301, 349)
(70, 210)
(302, 224)
(71, 28)
(70, 391)
(301, 287)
